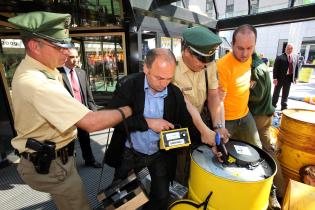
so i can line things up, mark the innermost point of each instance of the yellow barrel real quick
(305, 74)
(228, 194)
(296, 141)
(299, 196)
(310, 99)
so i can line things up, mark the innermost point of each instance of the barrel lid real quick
(302, 115)
(243, 153)
(204, 157)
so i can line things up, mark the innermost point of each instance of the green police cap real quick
(201, 40)
(53, 27)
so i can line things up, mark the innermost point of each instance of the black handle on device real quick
(221, 148)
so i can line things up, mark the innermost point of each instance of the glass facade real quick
(12, 52)
(101, 56)
(234, 8)
(85, 13)
(308, 53)
(7, 131)
(174, 44)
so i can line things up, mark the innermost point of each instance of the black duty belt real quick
(63, 153)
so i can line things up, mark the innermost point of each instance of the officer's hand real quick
(158, 125)
(275, 82)
(217, 153)
(224, 133)
(208, 137)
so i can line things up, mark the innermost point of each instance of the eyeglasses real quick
(203, 59)
(60, 49)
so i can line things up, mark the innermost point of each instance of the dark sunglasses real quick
(203, 59)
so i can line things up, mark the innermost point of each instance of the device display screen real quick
(171, 136)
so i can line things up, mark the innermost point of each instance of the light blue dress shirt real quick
(147, 142)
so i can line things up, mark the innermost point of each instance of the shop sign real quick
(12, 43)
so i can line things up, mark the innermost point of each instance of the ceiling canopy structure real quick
(227, 14)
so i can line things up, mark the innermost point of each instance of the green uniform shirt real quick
(260, 102)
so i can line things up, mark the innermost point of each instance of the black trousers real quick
(159, 191)
(285, 85)
(85, 144)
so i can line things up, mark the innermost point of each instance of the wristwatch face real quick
(218, 126)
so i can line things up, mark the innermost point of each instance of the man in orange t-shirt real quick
(234, 80)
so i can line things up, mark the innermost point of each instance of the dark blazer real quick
(281, 66)
(131, 93)
(86, 93)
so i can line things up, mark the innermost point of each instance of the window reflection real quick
(104, 63)
(174, 44)
(234, 8)
(303, 2)
(85, 13)
(148, 42)
(95, 13)
(12, 53)
(104, 60)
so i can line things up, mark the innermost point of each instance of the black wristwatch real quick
(218, 126)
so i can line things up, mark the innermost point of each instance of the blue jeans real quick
(244, 129)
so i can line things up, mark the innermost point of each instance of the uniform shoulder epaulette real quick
(49, 76)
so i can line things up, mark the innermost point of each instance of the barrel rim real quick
(285, 114)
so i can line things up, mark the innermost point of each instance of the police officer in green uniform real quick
(45, 114)
(196, 76)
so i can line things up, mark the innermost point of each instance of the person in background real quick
(264, 59)
(285, 72)
(78, 63)
(234, 78)
(307, 175)
(158, 106)
(301, 61)
(46, 117)
(262, 110)
(76, 83)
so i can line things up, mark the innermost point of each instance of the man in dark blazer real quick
(157, 105)
(285, 71)
(71, 72)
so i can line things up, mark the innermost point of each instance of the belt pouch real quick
(41, 162)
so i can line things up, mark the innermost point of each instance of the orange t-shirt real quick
(234, 79)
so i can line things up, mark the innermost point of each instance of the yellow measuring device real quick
(175, 138)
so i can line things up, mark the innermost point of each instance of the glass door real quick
(103, 58)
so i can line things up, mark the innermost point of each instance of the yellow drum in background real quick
(296, 141)
(305, 74)
(233, 188)
(299, 196)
